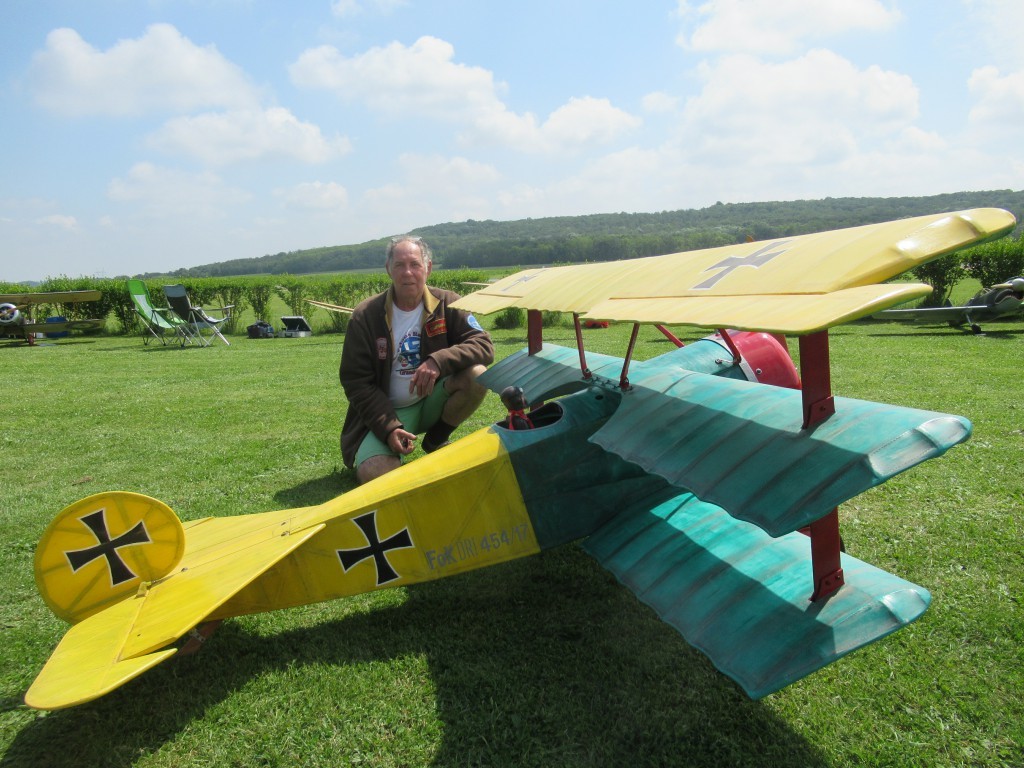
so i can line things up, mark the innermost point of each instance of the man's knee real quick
(466, 381)
(375, 466)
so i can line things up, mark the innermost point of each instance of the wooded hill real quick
(608, 236)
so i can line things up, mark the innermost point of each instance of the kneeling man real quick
(408, 366)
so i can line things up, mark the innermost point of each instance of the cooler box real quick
(295, 327)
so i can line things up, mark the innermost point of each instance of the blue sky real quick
(146, 136)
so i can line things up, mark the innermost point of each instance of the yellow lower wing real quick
(786, 313)
(119, 643)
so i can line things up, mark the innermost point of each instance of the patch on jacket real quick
(436, 327)
(382, 348)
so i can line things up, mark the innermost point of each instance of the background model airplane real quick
(687, 475)
(988, 304)
(16, 313)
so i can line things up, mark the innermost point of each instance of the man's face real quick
(408, 274)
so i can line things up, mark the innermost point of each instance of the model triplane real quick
(1000, 300)
(17, 317)
(709, 493)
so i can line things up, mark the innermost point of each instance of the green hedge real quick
(241, 293)
(989, 263)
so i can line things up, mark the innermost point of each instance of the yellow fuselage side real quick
(461, 509)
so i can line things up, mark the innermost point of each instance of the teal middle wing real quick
(741, 445)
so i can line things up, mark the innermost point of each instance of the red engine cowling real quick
(767, 357)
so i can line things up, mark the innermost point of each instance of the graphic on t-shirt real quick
(405, 330)
(409, 353)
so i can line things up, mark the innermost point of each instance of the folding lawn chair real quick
(196, 318)
(159, 322)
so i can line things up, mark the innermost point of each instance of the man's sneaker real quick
(429, 447)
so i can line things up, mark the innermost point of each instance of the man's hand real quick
(402, 442)
(423, 380)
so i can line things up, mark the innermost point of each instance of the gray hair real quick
(425, 252)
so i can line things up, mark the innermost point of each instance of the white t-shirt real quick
(405, 337)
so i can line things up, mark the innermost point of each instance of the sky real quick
(150, 135)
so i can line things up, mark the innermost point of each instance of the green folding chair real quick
(195, 317)
(159, 323)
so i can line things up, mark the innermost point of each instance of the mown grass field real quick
(545, 661)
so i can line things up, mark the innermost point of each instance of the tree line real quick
(610, 236)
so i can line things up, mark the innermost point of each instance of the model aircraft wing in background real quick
(49, 297)
(17, 315)
(330, 307)
(794, 285)
(1000, 300)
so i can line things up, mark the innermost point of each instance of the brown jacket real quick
(452, 338)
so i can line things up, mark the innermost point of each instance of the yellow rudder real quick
(99, 550)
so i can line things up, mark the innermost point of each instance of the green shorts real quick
(416, 418)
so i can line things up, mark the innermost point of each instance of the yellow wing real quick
(49, 297)
(330, 307)
(795, 285)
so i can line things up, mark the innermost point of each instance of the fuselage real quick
(490, 497)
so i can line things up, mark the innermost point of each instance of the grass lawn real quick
(545, 661)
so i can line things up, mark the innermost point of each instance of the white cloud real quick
(315, 195)
(344, 9)
(423, 80)
(220, 138)
(634, 179)
(433, 188)
(998, 103)
(449, 173)
(810, 109)
(67, 223)
(400, 80)
(160, 71)
(776, 27)
(659, 102)
(169, 193)
(1000, 23)
(586, 121)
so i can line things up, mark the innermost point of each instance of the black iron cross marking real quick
(758, 258)
(376, 548)
(107, 547)
(522, 279)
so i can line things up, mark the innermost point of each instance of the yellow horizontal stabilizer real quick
(115, 645)
(819, 264)
(85, 664)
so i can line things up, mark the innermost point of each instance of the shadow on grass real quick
(317, 490)
(946, 332)
(511, 341)
(542, 661)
